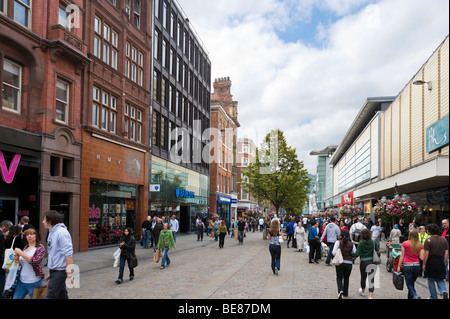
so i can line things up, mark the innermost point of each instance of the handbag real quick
(40, 292)
(9, 256)
(337, 259)
(156, 256)
(398, 280)
(133, 261)
(376, 258)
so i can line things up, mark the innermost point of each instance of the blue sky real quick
(308, 66)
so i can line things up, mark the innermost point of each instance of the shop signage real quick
(347, 199)
(438, 135)
(223, 199)
(155, 187)
(182, 193)
(8, 174)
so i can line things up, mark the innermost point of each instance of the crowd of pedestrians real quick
(424, 249)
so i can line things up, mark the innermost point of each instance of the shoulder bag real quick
(338, 259)
(376, 258)
(9, 256)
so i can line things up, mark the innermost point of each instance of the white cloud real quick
(313, 94)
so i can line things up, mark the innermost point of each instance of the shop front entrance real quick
(185, 217)
(8, 209)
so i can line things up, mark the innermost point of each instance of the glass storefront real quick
(111, 209)
(181, 192)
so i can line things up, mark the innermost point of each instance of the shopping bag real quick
(133, 261)
(13, 276)
(398, 280)
(376, 258)
(116, 257)
(307, 248)
(235, 234)
(157, 256)
(40, 292)
(9, 257)
(338, 259)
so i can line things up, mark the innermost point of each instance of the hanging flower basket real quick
(398, 208)
(349, 211)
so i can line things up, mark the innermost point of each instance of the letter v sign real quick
(8, 174)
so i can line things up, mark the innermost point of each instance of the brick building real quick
(43, 59)
(223, 171)
(116, 152)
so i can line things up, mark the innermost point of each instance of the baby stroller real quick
(394, 253)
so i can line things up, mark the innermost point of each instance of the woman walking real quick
(274, 246)
(344, 270)
(300, 236)
(127, 246)
(365, 252)
(165, 242)
(32, 275)
(223, 231)
(412, 253)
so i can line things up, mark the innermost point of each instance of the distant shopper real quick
(344, 270)
(127, 250)
(365, 251)
(314, 243)
(436, 253)
(395, 234)
(241, 230)
(412, 252)
(60, 254)
(300, 236)
(146, 231)
(223, 231)
(165, 243)
(5, 226)
(332, 232)
(274, 235)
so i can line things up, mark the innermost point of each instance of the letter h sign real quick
(8, 174)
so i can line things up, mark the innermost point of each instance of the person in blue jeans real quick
(290, 232)
(165, 242)
(436, 254)
(31, 275)
(274, 247)
(412, 253)
(146, 231)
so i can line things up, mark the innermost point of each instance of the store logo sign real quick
(182, 193)
(9, 173)
(438, 135)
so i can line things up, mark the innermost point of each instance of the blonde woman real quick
(412, 253)
(274, 246)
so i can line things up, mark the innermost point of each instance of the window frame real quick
(19, 89)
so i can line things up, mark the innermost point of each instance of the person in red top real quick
(412, 252)
(445, 234)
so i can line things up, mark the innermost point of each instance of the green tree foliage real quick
(277, 176)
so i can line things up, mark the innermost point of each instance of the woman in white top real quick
(300, 236)
(31, 275)
(395, 234)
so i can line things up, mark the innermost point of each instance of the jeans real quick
(241, 236)
(23, 289)
(275, 253)
(343, 272)
(330, 252)
(200, 234)
(122, 267)
(57, 285)
(146, 238)
(165, 258)
(314, 249)
(432, 287)
(221, 239)
(411, 273)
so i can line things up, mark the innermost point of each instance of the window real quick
(2, 6)
(62, 17)
(22, 12)
(133, 122)
(106, 42)
(11, 91)
(134, 64)
(62, 101)
(104, 110)
(137, 13)
(61, 167)
(155, 129)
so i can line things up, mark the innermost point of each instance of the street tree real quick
(277, 175)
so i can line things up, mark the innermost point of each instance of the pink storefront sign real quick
(8, 174)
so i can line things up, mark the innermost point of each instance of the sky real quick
(308, 66)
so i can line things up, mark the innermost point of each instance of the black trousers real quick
(314, 249)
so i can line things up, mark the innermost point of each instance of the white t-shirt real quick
(375, 231)
(27, 274)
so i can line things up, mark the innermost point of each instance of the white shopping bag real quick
(13, 275)
(116, 257)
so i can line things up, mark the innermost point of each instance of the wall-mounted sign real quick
(9, 173)
(182, 193)
(438, 135)
(155, 187)
(347, 199)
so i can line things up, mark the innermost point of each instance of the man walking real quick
(60, 254)
(314, 243)
(146, 230)
(332, 233)
(174, 226)
(241, 230)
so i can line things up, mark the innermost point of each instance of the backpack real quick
(357, 235)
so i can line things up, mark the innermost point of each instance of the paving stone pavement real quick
(201, 270)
